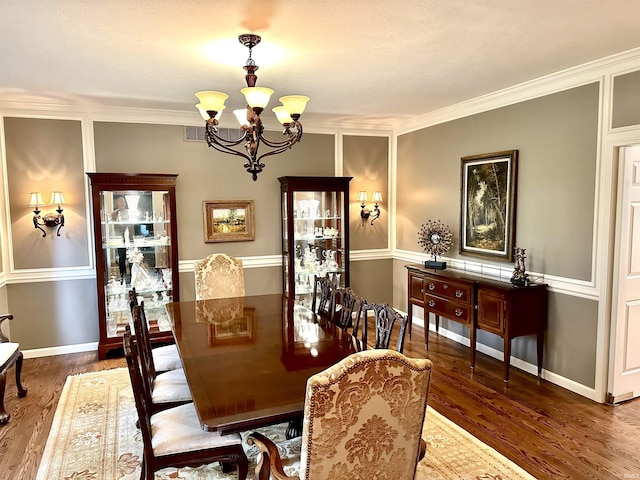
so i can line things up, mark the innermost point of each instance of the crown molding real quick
(556, 82)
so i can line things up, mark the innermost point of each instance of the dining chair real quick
(174, 437)
(350, 304)
(165, 357)
(10, 355)
(385, 317)
(363, 419)
(218, 276)
(166, 389)
(323, 301)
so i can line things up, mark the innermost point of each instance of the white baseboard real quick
(552, 377)
(62, 350)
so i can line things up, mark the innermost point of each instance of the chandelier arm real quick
(212, 135)
(279, 149)
(292, 139)
(225, 149)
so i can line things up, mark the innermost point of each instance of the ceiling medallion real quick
(212, 104)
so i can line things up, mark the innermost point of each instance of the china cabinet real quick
(136, 246)
(315, 233)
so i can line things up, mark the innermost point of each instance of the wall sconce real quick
(50, 219)
(366, 213)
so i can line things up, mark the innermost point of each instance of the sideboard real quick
(479, 303)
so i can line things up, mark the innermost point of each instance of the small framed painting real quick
(228, 220)
(488, 205)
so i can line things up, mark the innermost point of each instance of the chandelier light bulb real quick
(282, 115)
(241, 116)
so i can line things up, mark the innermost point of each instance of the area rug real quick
(94, 437)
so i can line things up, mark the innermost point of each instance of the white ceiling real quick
(376, 58)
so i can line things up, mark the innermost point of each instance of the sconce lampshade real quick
(377, 197)
(57, 199)
(35, 200)
(362, 196)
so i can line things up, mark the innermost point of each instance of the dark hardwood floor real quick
(547, 430)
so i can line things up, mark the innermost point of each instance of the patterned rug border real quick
(453, 453)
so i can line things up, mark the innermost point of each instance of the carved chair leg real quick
(4, 416)
(262, 468)
(226, 466)
(243, 465)
(22, 392)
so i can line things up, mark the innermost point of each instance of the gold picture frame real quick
(488, 205)
(228, 220)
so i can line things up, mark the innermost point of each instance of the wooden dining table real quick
(247, 359)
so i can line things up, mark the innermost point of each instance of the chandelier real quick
(212, 104)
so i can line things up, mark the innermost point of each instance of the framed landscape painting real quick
(488, 204)
(228, 220)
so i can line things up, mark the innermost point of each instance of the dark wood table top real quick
(247, 359)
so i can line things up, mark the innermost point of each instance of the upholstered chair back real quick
(219, 276)
(363, 418)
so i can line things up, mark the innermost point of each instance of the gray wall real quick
(43, 156)
(46, 155)
(626, 100)
(556, 138)
(366, 159)
(205, 174)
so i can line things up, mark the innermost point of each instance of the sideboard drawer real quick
(416, 292)
(460, 312)
(458, 292)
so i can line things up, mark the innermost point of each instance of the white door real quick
(624, 379)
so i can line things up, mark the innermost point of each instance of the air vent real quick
(198, 134)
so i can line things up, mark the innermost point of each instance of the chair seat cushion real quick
(7, 349)
(178, 430)
(171, 387)
(166, 358)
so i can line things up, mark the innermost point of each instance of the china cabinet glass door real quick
(315, 219)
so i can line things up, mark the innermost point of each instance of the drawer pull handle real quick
(459, 293)
(445, 286)
(459, 312)
(432, 303)
(432, 286)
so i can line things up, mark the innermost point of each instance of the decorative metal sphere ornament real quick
(435, 239)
